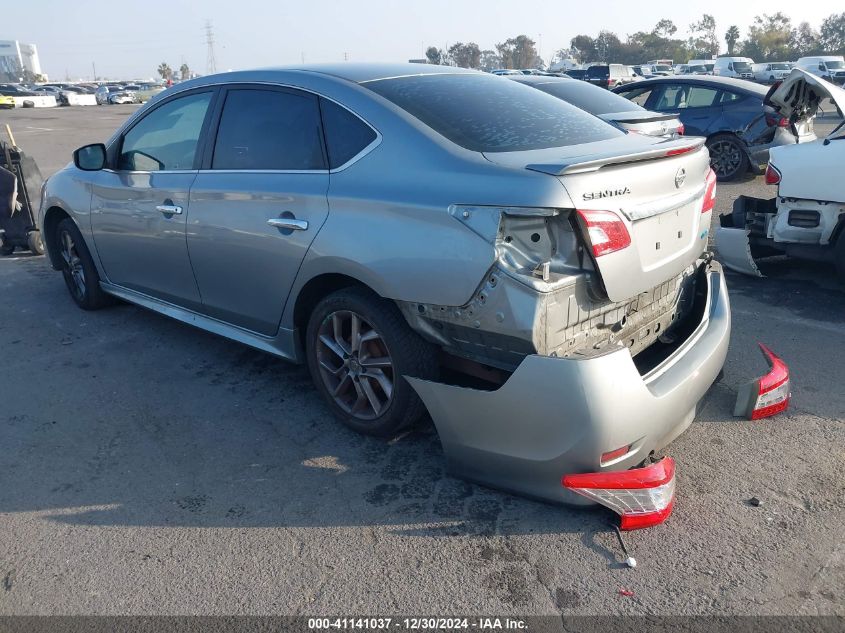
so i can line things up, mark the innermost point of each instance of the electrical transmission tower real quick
(210, 62)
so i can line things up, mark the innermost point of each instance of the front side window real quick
(269, 129)
(482, 113)
(167, 137)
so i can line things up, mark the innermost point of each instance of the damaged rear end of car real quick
(599, 328)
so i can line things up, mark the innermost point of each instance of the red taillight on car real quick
(609, 82)
(709, 192)
(772, 175)
(681, 129)
(775, 120)
(607, 232)
(767, 395)
(641, 496)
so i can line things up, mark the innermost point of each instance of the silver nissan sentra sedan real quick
(426, 239)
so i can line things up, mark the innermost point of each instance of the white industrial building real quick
(16, 56)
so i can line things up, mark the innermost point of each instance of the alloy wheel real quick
(725, 158)
(72, 264)
(355, 365)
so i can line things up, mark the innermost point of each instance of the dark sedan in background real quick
(730, 113)
(608, 106)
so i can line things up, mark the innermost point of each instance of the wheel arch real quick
(52, 217)
(313, 291)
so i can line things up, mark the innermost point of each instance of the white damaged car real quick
(806, 217)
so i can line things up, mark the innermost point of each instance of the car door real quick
(257, 204)
(140, 205)
(698, 106)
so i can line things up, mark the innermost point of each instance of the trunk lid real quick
(655, 187)
(645, 122)
(799, 96)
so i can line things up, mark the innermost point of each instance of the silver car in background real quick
(608, 106)
(424, 238)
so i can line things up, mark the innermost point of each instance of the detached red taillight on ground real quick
(767, 395)
(643, 497)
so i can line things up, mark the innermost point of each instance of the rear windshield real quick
(598, 71)
(484, 113)
(589, 97)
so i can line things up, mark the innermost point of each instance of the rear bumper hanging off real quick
(557, 416)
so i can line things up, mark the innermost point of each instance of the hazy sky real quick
(130, 38)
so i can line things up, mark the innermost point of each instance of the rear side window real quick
(483, 113)
(268, 129)
(346, 134)
(638, 96)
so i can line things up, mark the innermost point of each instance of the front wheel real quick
(727, 157)
(359, 349)
(78, 267)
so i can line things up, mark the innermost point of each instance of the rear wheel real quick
(727, 157)
(78, 267)
(359, 348)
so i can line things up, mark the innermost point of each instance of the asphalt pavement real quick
(147, 467)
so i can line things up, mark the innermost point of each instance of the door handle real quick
(291, 224)
(169, 209)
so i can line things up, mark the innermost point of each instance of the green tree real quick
(184, 72)
(585, 49)
(665, 29)
(490, 60)
(769, 38)
(165, 71)
(519, 52)
(465, 55)
(608, 47)
(703, 40)
(833, 33)
(805, 41)
(434, 55)
(731, 38)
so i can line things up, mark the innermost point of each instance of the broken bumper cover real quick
(557, 416)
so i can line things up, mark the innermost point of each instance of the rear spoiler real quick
(594, 162)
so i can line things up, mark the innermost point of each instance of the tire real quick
(373, 399)
(771, 79)
(727, 157)
(35, 243)
(839, 257)
(78, 269)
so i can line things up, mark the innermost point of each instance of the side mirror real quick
(90, 157)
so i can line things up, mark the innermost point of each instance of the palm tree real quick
(184, 71)
(165, 71)
(731, 38)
